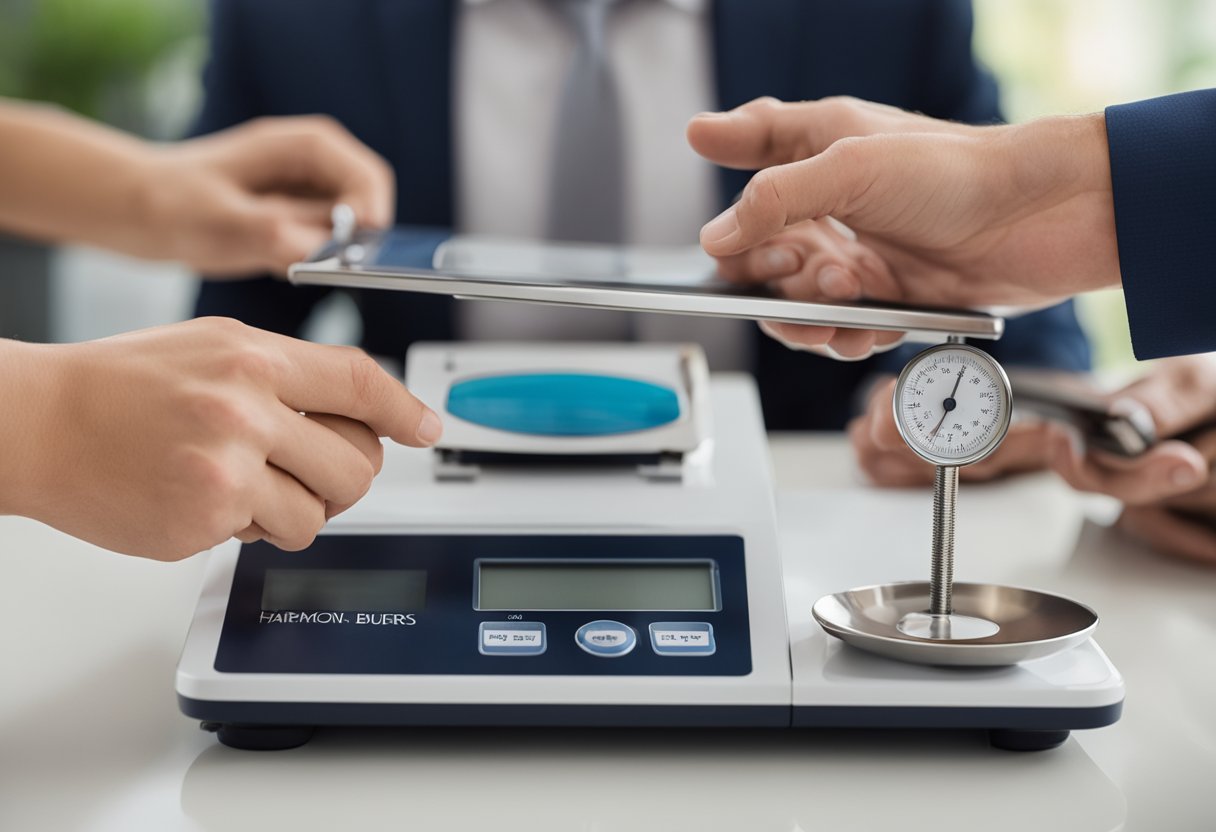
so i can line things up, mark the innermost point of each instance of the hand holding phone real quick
(1122, 426)
(1152, 445)
(1167, 489)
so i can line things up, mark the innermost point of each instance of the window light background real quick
(1077, 56)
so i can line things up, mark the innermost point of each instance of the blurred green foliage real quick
(85, 53)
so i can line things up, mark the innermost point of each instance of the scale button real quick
(511, 638)
(682, 638)
(606, 638)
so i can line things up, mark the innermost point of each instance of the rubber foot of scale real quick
(1009, 739)
(260, 737)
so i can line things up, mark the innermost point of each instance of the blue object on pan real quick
(563, 404)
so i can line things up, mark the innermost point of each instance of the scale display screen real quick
(345, 590)
(597, 586)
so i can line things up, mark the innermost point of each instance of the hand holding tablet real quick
(947, 214)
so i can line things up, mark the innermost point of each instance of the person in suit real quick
(1023, 214)
(470, 103)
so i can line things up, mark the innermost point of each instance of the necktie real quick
(586, 193)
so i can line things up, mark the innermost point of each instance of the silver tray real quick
(1032, 624)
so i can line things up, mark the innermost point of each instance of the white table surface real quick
(90, 735)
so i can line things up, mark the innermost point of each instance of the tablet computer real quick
(678, 280)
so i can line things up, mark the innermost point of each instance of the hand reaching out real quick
(168, 441)
(250, 199)
(958, 215)
(258, 197)
(1168, 492)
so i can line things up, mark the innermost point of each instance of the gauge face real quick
(952, 404)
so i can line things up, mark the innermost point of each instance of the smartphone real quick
(1127, 430)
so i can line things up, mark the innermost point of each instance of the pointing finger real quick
(766, 132)
(345, 381)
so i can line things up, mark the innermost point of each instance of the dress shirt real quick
(512, 57)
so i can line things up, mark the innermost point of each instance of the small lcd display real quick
(345, 590)
(596, 586)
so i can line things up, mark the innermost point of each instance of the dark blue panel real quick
(650, 716)
(563, 404)
(1022, 719)
(443, 637)
(497, 716)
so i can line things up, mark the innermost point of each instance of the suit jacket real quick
(1163, 172)
(384, 69)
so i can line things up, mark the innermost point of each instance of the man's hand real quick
(168, 441)
(1168, 492)
(258, 197)
(959, 216)
(1184, 525)
(887, 460)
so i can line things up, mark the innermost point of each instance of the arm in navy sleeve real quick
(1163, 175)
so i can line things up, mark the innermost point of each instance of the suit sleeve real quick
(229, 84)
(1163, 175)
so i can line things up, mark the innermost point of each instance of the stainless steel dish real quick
(1031, 624)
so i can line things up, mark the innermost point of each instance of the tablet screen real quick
(663, 268)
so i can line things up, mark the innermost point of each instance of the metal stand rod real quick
(941, 568)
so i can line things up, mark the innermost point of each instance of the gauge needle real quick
(949, 404)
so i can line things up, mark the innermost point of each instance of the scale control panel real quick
(602, 637)
(491, 604)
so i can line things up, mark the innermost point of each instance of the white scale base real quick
(798, 669)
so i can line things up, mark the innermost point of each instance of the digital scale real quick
(594, 543)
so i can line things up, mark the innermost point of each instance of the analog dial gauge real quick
(952, 404)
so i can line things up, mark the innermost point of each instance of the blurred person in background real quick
(564, 119)
(166, 442)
